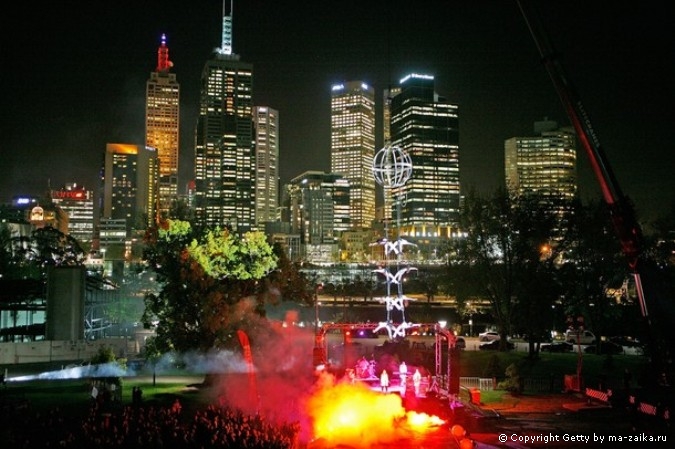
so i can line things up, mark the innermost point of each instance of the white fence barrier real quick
(480, 383)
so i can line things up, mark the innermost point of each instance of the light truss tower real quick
(392, 167)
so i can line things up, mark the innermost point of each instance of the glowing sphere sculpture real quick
(392, 167)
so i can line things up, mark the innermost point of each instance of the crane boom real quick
(623, 216)
(621, 210)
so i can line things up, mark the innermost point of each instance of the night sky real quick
(73, 74)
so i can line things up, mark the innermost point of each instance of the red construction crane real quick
(648, 281)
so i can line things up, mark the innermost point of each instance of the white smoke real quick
(111, 369)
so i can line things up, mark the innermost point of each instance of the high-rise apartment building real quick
(130, 175)
(78, 203)
(353, 146)
(224, 157)
(266, 128)
(544, 164)
(427, 128)
(162, 124)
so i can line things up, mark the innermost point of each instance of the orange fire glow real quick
(345, 413)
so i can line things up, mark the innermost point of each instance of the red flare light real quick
(345, 413)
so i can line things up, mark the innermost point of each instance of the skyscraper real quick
(427, 128)
(353, 146)
(319, 212)
(386, 112)
(266, 130)
(78, 203)
(544, 164)
(224, 158)
(130, 175)
(385, 213)
(162, 124)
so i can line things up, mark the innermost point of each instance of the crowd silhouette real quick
(148, 426)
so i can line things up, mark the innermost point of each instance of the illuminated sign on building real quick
(416, 76)
(23, 201)
(78, 195)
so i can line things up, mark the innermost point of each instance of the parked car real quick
(580, 337)
(557, 346)
(460, 343)
(488, 336)
(494, 345)
(630, 342)
(606, 347)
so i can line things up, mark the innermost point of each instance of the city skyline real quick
(74, 84)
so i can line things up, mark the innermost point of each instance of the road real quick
(472, 343)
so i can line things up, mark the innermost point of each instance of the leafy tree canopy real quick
(174, 230)
(209, 282)
(222, 254)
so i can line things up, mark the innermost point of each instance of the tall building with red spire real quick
(162, 124)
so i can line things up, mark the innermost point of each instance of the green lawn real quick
(73, 393)
(550, 369)
(476, 363)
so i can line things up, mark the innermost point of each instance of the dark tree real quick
(595, 266)
(502, 250)
(6, 255)
(291, 283)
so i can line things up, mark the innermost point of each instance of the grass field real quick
(552, 365)
(73, 393)
(477, 363)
